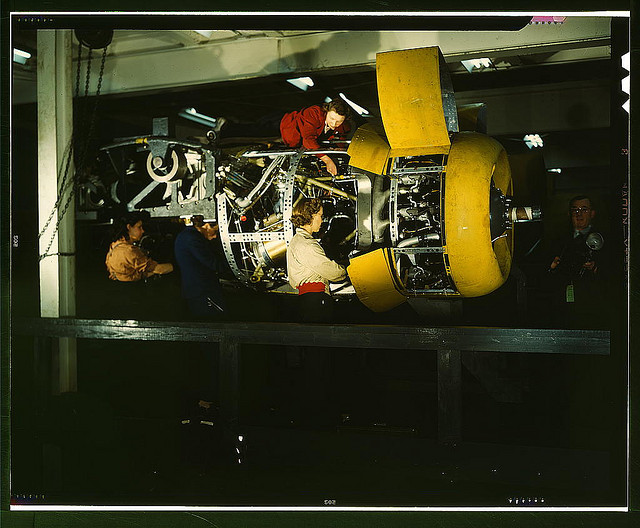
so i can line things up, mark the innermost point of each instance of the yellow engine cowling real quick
(412, 107)
(375, 279)
(476, 265)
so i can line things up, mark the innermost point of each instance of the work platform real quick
(448, 342)
(436, 469)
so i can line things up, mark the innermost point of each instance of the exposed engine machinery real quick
(417, 208)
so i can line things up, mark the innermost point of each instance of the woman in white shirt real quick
(308, 267)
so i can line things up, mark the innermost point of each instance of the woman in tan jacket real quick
(308, 267)
(126, 262)
(128, 265)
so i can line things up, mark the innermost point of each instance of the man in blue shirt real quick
(200, 267)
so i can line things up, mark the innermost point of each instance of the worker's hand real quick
(331, 166)
(590, 266)
(555, 263)
(163, 268)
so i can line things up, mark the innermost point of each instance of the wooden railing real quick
(447, 342)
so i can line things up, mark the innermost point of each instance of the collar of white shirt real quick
(584, 231)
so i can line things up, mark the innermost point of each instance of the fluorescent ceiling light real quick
(20, 56)
(24, 54)
(476, 64)
(555, 170)
(533, 140)
(361, 110)
(192, 115)
(303, 83)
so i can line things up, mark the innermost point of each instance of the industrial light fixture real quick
(477, 64)
(559, 171)
(21, 57)
(303, 83)
(533, 140)
(192, 115)
(361, 110)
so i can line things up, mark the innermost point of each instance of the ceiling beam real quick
(258, 57)
(154, 69)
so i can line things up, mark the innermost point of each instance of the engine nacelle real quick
(418, 208)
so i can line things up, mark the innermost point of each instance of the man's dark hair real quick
(131, 218)
(304, 210)
(198, 221)
(338, 106)
(581, 197)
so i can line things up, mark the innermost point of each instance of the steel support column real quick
(57, 241)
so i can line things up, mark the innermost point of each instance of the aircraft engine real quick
(418, 208)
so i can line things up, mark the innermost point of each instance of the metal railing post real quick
(229, 377)
(449, 397)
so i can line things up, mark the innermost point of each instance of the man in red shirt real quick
(301, 128)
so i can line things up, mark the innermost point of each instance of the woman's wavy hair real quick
(304, 210)
(120, 230)
(338, 106)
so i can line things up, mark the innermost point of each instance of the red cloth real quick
(309, 287)
(304, 126)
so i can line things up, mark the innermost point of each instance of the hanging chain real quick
(77, 91)
(70, 150)
(66, 159)
(88, 77)
(92, 121)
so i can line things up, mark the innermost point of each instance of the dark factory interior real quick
(495, 400)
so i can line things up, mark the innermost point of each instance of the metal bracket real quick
(223, 226)
(393, 211)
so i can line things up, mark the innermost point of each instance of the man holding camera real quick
(577, 270)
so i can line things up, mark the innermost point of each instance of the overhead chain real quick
(66, 156)
(69, 153)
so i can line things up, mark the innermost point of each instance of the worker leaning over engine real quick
(308, 267)
(301, 128)
(315, 123)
